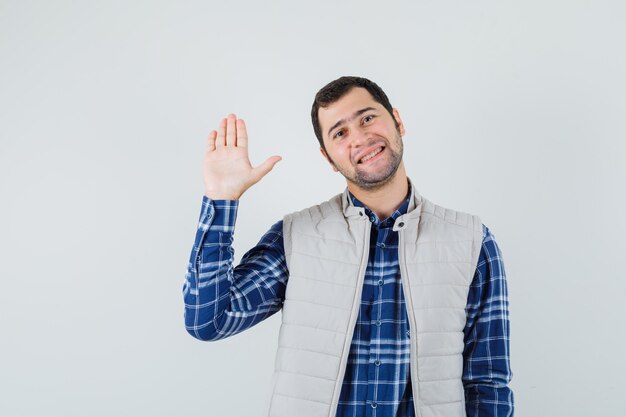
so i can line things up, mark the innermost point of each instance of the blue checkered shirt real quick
(221, 301)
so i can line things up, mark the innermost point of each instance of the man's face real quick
(361, 139)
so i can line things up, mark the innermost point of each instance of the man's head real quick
(360, 136)
(336, 89)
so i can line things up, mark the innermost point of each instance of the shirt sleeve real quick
(486, 368)
(222, 300)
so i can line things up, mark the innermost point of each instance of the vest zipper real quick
(406, 290)
(353, 318)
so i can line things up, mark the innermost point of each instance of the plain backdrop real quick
(514, 110)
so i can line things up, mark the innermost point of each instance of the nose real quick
(359, 137)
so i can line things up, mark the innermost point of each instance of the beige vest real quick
(327, 249)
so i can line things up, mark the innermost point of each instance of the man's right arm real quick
(220, 300)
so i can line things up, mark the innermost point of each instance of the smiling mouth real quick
(371, 155)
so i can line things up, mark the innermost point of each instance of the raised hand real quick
(226, 167)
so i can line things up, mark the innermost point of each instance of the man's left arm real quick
(486, 360)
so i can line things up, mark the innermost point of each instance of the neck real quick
(385, 200)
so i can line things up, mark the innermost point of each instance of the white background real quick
(514, 110)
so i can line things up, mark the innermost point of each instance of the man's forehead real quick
(355, 99)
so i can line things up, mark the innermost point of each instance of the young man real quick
(392, 305)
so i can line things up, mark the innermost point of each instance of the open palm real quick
(226, 168)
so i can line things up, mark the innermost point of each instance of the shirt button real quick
(382, 245)
(401, 224)
(377, 363)
(373, 219)
(374, 405)
(378, 322)
(380, 282)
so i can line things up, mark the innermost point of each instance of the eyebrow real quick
(342, 121)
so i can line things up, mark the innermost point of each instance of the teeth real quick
(371, 155)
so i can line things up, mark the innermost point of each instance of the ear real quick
(396, 116)
(332, 164)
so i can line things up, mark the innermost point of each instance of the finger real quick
(231, 131)
(265, 167)
(221, 134)
(242, 134)
(210, 143)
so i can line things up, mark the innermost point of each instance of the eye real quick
(368, 118)
(338, 134)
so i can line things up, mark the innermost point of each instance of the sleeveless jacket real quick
(327, 249)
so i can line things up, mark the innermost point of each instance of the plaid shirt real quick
(221, 301)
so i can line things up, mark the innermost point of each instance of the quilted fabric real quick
(326, 248)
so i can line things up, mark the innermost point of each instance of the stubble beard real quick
(374, 180)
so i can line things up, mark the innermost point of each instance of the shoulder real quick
(431, 212)
(490, 249)
(324, 221)
(328, 209)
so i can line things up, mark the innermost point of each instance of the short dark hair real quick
(336, 89)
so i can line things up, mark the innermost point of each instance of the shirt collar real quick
(389, 220)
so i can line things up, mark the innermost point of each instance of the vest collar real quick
(352, 212)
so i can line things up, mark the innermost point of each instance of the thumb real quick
(265, 167)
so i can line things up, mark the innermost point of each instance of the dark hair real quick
(336, 89)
